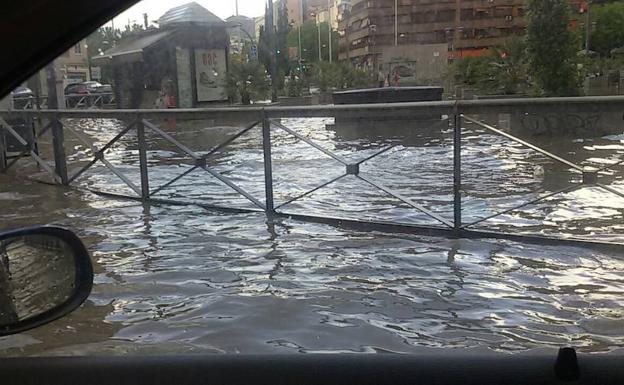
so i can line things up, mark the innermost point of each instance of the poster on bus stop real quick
(210, 73)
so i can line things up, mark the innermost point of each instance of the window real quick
(78, 49)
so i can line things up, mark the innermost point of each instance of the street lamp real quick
(318, 28)
(329, 23)
(88, 61)
(373, 30)
(587, 28)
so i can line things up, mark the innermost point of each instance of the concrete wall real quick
(428, 62)
(184, 79)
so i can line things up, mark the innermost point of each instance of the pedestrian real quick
(381, 79)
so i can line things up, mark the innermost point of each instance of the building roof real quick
(189, 13)
(134, 46)
(238, 18)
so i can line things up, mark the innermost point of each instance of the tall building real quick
(466, 27)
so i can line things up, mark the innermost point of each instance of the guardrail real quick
(96, 100)
(456, 114)
(72, 101)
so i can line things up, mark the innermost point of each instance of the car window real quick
(336, 176)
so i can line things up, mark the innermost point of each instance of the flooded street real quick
(184, 279)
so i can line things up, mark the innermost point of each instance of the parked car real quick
(22, 92)
(76, 89)
(75, 93)
(22, 97)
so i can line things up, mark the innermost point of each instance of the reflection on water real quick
(184, 279)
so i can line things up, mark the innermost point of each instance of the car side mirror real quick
(45, 273)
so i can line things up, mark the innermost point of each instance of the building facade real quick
(74, 64)
(467, 27)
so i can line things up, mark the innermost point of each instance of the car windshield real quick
(331, 176)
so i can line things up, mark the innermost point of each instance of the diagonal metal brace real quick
(99, 155)
(171, 139)
(406, 200)
(524, 143)
(376, 154)
(533, 201)
(310, 191)
(311, 143)
(611, 190)
(174, 180)
(32, 153)
(231, 139)
(234, 187)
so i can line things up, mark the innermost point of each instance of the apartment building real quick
(465, 27)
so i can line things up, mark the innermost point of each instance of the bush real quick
(247, 81)
(338, 76)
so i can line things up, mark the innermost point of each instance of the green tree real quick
(246, 81)
(474, 72)
(509, 67)
(552, 48)
(282, 30)
(609, 30)
(101, 40)
(310, 41)
(340, 75)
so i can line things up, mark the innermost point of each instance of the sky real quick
(221, 8)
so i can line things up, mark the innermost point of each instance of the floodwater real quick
(186, 279)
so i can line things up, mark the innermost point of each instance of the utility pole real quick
(396, 22)
(587, 28)
(270, 29)
(318, 28)
(329, 22)
(457, 26)
(300, 25)
(236, 7)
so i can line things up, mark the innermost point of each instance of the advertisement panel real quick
(210, 74)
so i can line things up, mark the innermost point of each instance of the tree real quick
(337, 75)
(510, 68)
(282, 30)
(474, 72)
(609, 30)
(103, 39)
(551, 48)
(267, 47)
(246, 81)
(310, 40)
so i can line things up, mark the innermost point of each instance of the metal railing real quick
(266, 119)
(72, 101)
(95, 100)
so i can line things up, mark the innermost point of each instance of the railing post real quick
(268, 165)
(58, 144)
(457, 173)
(145, 190)
(3, 150)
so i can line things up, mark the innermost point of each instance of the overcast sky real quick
(221, 8)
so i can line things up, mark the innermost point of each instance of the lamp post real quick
(587, 28)
(396, 22)
(318, 28)
(89, 61)
(373, 30)
(329, 24)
